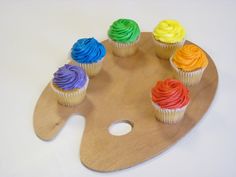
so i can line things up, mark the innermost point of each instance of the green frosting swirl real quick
(124, 31)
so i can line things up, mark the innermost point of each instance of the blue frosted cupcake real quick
(70, 84)
(88, 53)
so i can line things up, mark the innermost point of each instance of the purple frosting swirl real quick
(70, 77)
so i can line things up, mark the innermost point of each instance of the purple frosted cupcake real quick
(70, 84)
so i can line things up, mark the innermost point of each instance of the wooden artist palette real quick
(121, 92)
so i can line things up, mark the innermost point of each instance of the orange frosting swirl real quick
(190, 58)
(170, 94)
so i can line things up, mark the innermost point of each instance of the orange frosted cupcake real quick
(170, 99)
(189, 63)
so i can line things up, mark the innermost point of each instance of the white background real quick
(35, 37)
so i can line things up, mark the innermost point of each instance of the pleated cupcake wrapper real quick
(166, 50)
(169, 45)
(70, 97)
(124, 49)
(188, 78)
(122, 45)
(91, 69)
(169, 116)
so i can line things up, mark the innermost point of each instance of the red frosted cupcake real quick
(170, 99)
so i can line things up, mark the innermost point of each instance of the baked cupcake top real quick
(69, 77)
(124, 31)
(88, 50)
(169, 31)
(189, 58)
(170, 94)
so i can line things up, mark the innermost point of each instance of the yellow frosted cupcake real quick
(189, 63)
(168, 36)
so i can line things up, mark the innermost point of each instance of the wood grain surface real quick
(121, 91)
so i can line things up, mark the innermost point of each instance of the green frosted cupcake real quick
(124, 35)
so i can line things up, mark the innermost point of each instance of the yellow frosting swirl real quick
(190, 58)
(169, 31)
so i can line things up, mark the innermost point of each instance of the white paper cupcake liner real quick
(121, 45)
(169, 116)
(91, 69)
(166, 50)
(124, 49)
(71, 97)
(189, 78)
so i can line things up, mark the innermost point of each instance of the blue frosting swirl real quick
(87, 50)
(70, 77)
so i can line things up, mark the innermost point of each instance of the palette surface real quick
(121, 93)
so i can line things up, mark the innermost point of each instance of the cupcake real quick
(170, 99)
(69, 85)
(168, 36)
(189, 63)
(123, 36)
(88, 53)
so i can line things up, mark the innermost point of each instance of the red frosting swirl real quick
(170, 94)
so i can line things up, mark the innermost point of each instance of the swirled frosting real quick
(170, 94)
(190, 58)
(124, 31)
(169, 31)
(70, 77)
(88, 50)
